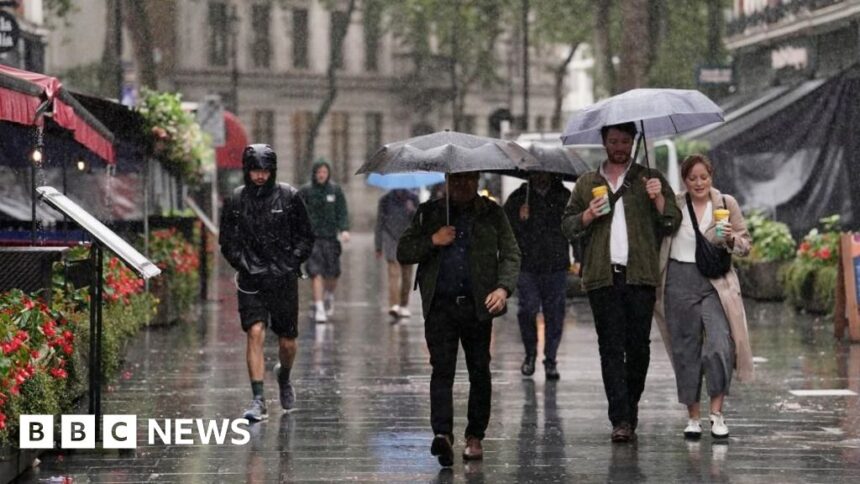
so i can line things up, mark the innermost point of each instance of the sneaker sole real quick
(473, 457)
(721, 437)
(443, 450)
(692, 435)
(253, 419)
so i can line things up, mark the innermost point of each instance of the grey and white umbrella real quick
(656, 112)
(448, 152)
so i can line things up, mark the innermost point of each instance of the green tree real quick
(334, 63)
(459, 36)
(556, 23)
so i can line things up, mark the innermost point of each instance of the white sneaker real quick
(405, 313)
(329, 303)
(394, 311)
(320, 313)
(693, 430)
(719, 429)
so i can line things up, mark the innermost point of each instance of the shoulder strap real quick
(692, 213)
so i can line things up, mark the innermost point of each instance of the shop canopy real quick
(229, 156)
(26, 96)
(797, 155)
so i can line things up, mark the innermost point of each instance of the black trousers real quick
(448, 325)
(622, 318)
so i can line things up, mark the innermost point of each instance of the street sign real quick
(210, 117)
(9, 32)
(714, 75)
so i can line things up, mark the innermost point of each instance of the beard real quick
(619, 158)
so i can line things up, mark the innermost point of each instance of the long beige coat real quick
(728, 288)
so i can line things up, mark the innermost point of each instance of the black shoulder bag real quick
(713, 261)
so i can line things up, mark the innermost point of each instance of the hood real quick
(321, 162)
(260, 157)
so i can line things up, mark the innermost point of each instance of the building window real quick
(219, 33)
(340, 145)
(300, 38)
(372, 22)
(301, 122)
(339, 23)
(261, 47)
(373, 133)
(263, 128)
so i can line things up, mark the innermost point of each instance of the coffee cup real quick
(721, 216)
(602, 191)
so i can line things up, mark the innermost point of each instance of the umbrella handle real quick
(645, 142)
(447, 202)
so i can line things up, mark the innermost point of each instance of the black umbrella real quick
(448, 152)
(553, 158)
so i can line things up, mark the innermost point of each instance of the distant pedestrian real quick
(330, 219)
(266, 235)
(467, 269)
(534, 211)
(621, 235)
(393, 216)
(702, 319)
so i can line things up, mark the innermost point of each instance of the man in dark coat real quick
(467, 268)
(266, 235)
(535, 210)
(395, 212)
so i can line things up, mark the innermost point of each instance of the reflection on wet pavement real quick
(363, 411)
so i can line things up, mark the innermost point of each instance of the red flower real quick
(804, 247)
(824, 253)
(59, 373)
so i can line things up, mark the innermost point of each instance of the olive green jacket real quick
(646, 228)
(494, 258)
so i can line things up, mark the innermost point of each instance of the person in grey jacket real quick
(395, 212)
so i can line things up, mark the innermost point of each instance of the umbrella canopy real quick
(448, 152)
(405, 180)
(24, 95)
(657, 112)
(555, 159)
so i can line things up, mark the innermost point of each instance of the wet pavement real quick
(363, 387)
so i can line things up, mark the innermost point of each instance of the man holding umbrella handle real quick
(621, 265)
(467, 268)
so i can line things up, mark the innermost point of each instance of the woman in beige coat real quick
(702, 320)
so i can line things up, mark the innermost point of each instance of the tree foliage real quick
(458, 37)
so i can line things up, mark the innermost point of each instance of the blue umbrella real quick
(415, 179)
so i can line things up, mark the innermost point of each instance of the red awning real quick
(229, 156)
(21, 94)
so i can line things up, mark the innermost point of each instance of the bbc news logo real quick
(120, 431)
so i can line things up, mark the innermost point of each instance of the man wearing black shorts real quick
(266, 235)
(329, 217)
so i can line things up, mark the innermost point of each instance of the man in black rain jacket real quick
(266, 235)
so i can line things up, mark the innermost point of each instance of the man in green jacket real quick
(330, 219)
(467, 269)
(621, 266)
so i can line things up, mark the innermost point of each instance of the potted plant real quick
(772, 250)
(810, 279)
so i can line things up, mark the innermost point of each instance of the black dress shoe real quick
(528, 368)
(551, 370)
(622, 433)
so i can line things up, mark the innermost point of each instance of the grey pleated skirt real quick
(701, 341)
